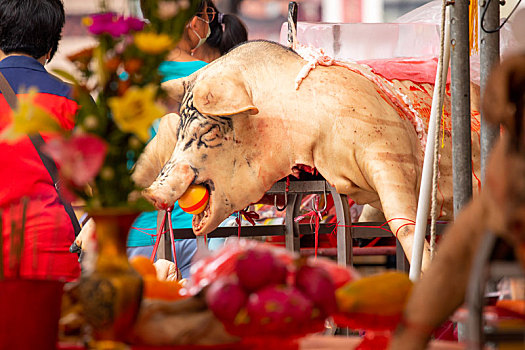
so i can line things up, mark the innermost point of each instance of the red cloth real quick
(48, 230)
(414, 69)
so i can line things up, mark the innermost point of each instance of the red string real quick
(373, 243)
(238, 221)
(477, 179)
(336, 225)
(157, 240)
(400, 227)
(142, 230)
(250, 216)
(318, 216)
(316, 246)
(170, 226)
(402, 219)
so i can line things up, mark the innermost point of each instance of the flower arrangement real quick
(118, 89)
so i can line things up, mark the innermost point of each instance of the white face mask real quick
(201, 40)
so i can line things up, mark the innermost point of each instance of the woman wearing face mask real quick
(207, 36)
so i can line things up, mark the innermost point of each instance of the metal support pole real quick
(344, 228)
(489, 55)
(292, 24)
(202, 245)
(291, 236)
(474, 297)
(460, 99)
(164, 250)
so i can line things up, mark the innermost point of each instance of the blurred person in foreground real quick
(30, 31)
(499, 208)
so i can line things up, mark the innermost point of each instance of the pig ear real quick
(174, 88)
(220, 96)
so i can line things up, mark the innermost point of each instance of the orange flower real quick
(133, 65)
(82, 55)
(82, 58)
(112, 64)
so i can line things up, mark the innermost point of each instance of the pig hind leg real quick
(396, 184)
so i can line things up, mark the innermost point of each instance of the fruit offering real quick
(153, 287)
(195, 199)
(258, 290)
(374, 302)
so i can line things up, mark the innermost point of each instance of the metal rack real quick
(484, 269)
(346, 231)
(291, 229)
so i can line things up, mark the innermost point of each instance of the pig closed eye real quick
(211, 136)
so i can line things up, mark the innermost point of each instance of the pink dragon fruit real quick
(257, 268)
(225, 297)
(279, 310)
(317, 285)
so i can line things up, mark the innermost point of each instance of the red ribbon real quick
(250, 216)
(318, 215)
(167, 216)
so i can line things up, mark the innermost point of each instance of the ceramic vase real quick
(112, 293)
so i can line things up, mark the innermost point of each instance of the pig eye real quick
(210, 136)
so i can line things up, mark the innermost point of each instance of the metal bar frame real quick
(460, 101)
(489, 52)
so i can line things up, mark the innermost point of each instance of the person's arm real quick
(442, 288)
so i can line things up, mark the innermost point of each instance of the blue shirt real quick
(143, 229)
(175, 70)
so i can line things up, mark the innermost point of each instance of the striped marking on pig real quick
(200, 130)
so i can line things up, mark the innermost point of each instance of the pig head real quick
(243, 126)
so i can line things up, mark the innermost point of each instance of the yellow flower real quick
(87, 21)
(153, 43)
(136, 110)
(29, 119)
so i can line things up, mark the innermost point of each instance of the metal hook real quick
(285, 202)
(325, 200)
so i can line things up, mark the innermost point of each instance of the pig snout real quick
(170, 185)
(159, 199)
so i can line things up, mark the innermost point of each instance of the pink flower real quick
(112, 24)
(99, 23)
(134, 23)
(79, 157)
